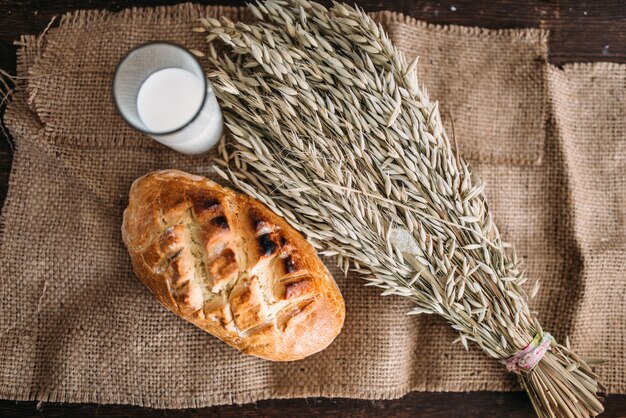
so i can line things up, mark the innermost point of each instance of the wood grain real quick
(580, 31)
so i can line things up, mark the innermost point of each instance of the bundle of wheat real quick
(330, 129)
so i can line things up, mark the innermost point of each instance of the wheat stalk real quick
(331, 130)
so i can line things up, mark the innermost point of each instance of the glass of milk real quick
(160, 89)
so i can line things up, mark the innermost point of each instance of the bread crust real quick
(226, 263)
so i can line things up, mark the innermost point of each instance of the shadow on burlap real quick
(77, 326)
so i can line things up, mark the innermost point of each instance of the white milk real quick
(169, 99)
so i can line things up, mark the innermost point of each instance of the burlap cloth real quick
(76, 325)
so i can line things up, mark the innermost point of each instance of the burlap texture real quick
(76, 325)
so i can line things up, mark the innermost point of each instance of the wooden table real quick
(580, 31)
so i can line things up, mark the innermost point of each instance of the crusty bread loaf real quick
(226, 263)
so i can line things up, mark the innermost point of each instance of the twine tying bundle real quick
(531, 355)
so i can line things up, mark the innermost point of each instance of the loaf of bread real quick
(226, 263)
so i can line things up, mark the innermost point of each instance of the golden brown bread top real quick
(229, 265)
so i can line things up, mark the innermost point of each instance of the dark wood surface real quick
(580, 31)
(414, 405)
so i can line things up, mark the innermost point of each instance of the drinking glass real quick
(201, 125)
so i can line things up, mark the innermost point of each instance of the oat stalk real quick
(330, 128)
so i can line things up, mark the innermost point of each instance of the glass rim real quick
(145, 45)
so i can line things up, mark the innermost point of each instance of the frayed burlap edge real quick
(52, 395)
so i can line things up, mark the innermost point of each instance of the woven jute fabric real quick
(77, 326)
